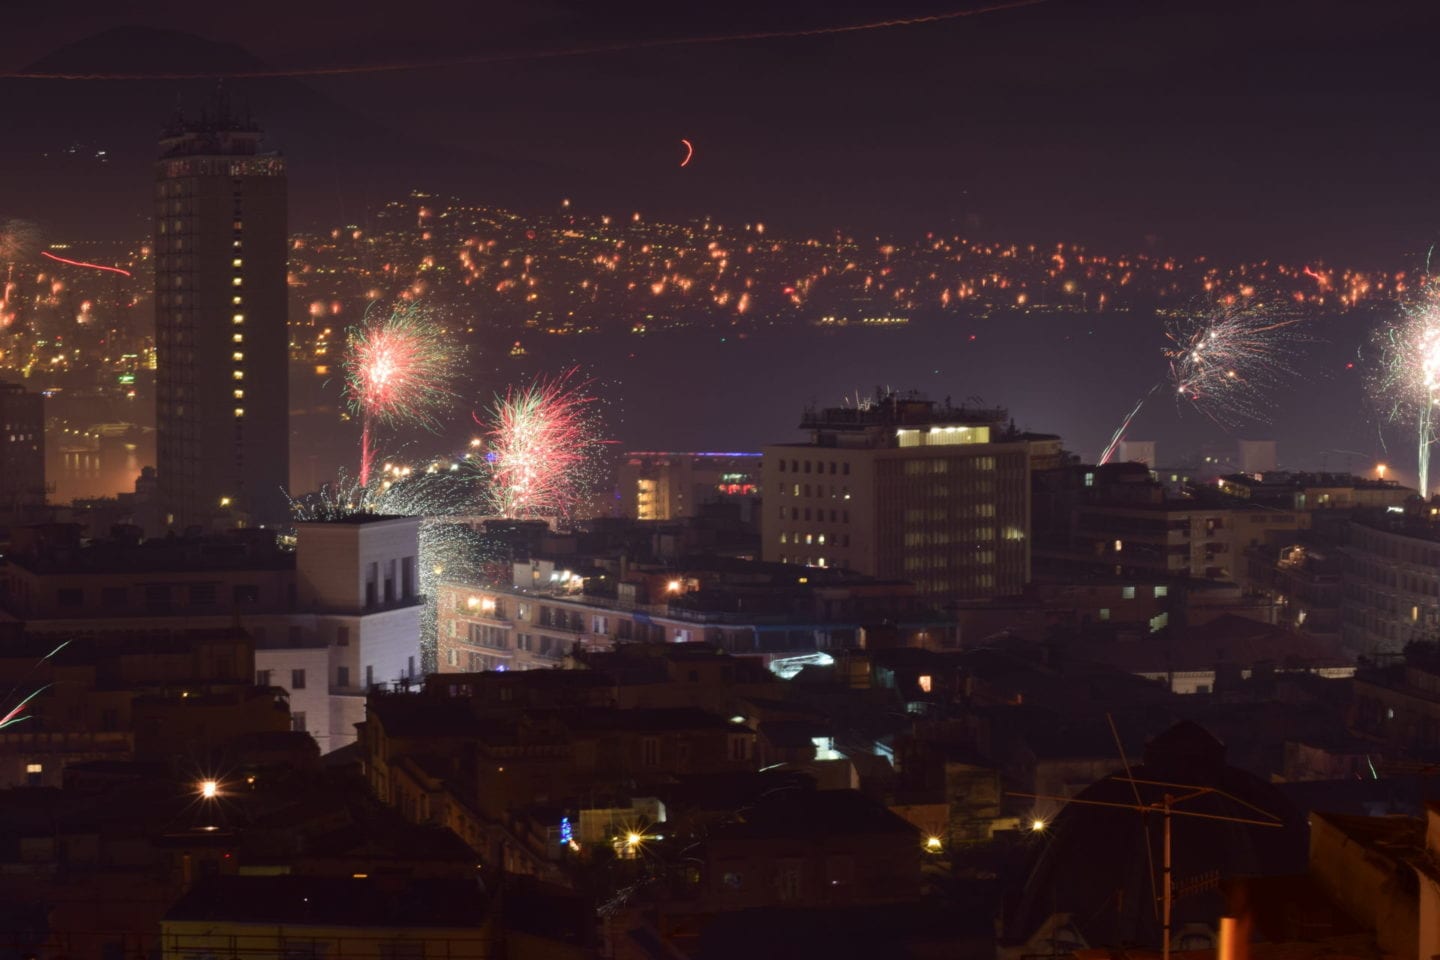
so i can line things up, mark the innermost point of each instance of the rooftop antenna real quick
(1173, 795)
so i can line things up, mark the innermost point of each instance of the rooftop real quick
(331, 901)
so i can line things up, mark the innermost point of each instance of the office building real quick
(22, 451)
(669, 486)
(905, 488)
(221, 332)
(1390, 585)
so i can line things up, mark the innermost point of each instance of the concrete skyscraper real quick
(222, 409)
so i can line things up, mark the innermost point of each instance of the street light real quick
(209, 789)
(1037, 825)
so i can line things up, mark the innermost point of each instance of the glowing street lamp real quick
(209, 789)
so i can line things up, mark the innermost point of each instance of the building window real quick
(342, 636)
(650, 751)
(342, 677)
(925, 682)
(262, 678)
(1104, 613)
(33, 772)
(1127, 593)
(297, 679)
(454, 657)
(1161, 592)
(70, 597)
(297, 721)
(245, 593)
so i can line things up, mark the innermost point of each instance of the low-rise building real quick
(335, 617)
(772, 610)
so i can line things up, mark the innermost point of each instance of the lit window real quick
(1119, 544)
(1089, 479)
(34, 768)
(240, 338)
(1128, 593)
(925, 682)
(239, 411)
(236, 299)
(237, 356)
(1161, 591)
(1104, 613)
(238, 318)
(239, 394)
(237, 262)
(238, 375)
(236, 281)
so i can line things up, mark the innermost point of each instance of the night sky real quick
(1289, 129)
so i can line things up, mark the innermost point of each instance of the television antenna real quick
(1168, 806)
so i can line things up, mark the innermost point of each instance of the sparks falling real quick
(543, 449)
(400, 368)
(1225, 359)
(1405, 384)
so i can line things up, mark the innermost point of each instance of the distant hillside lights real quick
(885, 321)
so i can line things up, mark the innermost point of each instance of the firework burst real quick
(443, 497)
(400, 369)
(1405, 383)
(1225, 359)
(544, 449)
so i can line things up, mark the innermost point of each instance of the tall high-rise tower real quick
(221, 391)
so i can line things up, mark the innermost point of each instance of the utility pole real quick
(1165, 890)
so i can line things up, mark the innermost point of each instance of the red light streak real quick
(82, 263)
(689, 151)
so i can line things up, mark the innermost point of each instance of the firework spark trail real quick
(400, 368)
(1119, 434)
(1226, 360)
(543, 447)
(1406, 382)
(13, 717)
